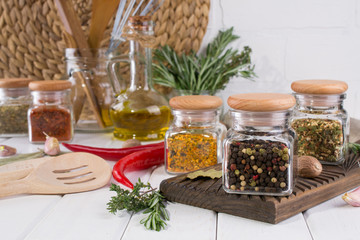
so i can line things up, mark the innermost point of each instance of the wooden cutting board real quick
(208, 193)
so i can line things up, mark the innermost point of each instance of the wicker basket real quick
(32, 45)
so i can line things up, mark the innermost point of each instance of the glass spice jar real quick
(319, 119)
(259, 156)
(93, 71)
(15, 100)
(139, 112)
(194, 139)
(51, 111)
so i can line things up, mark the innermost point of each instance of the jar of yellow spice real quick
(194, 140)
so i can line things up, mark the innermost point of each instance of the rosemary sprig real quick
(22, 157)
(209, 72)
(142, 197)
(157, 213)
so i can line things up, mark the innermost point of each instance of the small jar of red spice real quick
(51, 111)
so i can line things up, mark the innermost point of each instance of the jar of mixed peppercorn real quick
(194, 139)
(319, 119)
(15, 100)
(51, 112)
(259, 155)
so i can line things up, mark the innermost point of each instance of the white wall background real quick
(293, 40)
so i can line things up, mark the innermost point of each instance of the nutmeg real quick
(309, 167)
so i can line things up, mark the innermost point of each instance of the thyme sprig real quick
(142, 197)
(209, 72)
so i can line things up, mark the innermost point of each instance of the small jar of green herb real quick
(15, 100)
(319, 119)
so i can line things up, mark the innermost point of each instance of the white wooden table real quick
(84, 215)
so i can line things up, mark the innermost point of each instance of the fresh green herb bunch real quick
(354, 147)
(142, 197)
(209, 72)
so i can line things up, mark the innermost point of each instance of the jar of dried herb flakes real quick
(51, 111)
(259, 156)
(319, 119)
(194, 139)
(15, 100)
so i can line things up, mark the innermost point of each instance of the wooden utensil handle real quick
(13, 188)
(14, 175)
(72, 25)
(83, 76)
(20, 169)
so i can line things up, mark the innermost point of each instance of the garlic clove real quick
(131, 143)
(352, 198)
(6, 151)
(52, 146)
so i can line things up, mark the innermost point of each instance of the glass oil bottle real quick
(138, 112)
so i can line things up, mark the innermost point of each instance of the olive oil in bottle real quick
(139, 112)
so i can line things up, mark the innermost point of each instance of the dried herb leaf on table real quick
(208, 72)
(212, 173)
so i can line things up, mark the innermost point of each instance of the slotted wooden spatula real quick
(68, 173)
(20, 169)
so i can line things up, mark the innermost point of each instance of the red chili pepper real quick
(110, 153)
(137, 161)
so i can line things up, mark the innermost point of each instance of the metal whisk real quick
(121, 19)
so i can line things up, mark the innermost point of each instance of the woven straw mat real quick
(31, 39)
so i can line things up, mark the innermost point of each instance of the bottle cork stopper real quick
(15, 82)
(139, 19)
(195, 102)
(143, 23)
(50, 85)
(318, 86)
(261, 102)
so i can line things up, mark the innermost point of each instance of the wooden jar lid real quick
(195, 102)
(50, 85)
(319, 86)
(261, 102)
(15, 82)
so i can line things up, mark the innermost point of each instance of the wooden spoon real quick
(102, 12)
(68, 173)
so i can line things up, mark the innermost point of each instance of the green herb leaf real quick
(208, 72)
(354, 147)
(21, 157)
(142, 197)
(212, 173)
